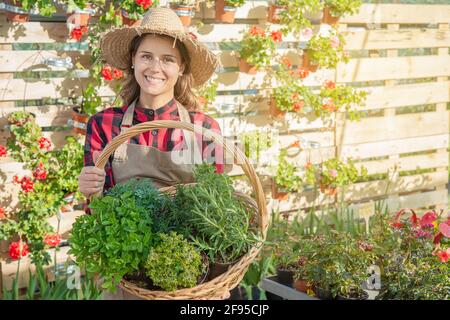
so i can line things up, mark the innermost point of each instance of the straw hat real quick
(115, 43)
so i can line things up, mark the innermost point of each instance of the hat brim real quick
(115, 48)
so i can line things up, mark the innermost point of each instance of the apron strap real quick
(127, 122)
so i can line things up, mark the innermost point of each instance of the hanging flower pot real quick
(274, 13)
(185, 13)
(14, 12)
(79, 121)
(224, 12)
(79, 17)
(307, 63)
(279, 193)
(69, 200)
(244, 66)
(328, 18)
(274, 111)
(126, 20)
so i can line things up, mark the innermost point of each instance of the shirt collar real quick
(165, 109)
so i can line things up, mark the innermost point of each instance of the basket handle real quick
(242, 160)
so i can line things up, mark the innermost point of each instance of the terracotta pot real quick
(14, 16)
(246, 67)
(302, 285)
(185, 14)
(274, 111)
(69, 199)
(127, 21)
(285, 276)
(307, 63)
(274, 11)
(277, 194)
(224, 13)
(80, 121)
(328, 17)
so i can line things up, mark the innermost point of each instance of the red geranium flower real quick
(40, 173)
(144, 3)
(329, 84)
(329, 106)
(25, 183)
(45, 144)
(276, 36)
(16, 248)
(298, 105)
(2, 151)
(302, 72)
(117, 73)
(295, 144)
(2, 214)
(77, 33)
(107, 73)
(52, 240)
(444, 256)
(308, 165)
(257, 31)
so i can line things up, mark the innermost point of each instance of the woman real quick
(163, 62)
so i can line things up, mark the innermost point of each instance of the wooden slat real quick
(399, 13)
(395, 127)
(372, 69)
(31, 60)
(372, 189)
(34, 32)
(401, 39)
(384, 148)
(46, 116)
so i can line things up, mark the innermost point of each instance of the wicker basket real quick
(216, 287)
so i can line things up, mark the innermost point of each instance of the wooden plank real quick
(34, 32)
(384, 148)
(372, 69)
(399, 13)
(361, 39)
(31, 60)
(396, 127)
(372, 189)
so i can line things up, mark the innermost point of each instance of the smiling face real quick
(157, 66)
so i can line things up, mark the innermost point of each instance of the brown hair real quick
(183, 88)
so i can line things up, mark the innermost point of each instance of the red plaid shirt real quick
(105, 125)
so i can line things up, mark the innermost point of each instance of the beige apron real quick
(163, 168)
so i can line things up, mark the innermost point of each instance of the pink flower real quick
(444, 256)
(444, 228)
(428, 218)
(335, 42)
(40, 173)
(52, 240)
(2, 151)
(257, 31)
(25, 183)
(307, 34)
(45, 144)
(333, 173)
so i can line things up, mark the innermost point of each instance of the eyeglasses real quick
(166, 62)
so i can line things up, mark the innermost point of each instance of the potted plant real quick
(340, 97)
(18, 10)
(334, 9)
(334, 173)
(90, 103)
(224, 235)
(185, 9)
(257, 49)
(294, 18)
(78, 16)
(324, 49)
(175, 263)
(340, 266)
(226, 9)
(207, 93)
(286, 177)
(133, 10)
(275, 9)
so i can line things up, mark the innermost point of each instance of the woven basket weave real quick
(216, 287)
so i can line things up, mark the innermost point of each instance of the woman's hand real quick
(91, 179)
